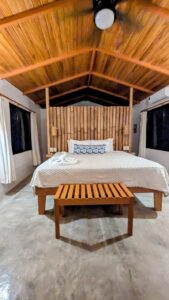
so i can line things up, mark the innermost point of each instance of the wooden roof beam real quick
(42, 87)
(109, 93)
(33, 12)
(125, 83)
(69, 100)
(74, 53)
(44, 63)
(102, 100)
(156, 10)
(112, 94)
(64, 94)
(49, 7)
(135, 61)
(91, 65)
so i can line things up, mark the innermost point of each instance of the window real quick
(158, 128)
(20, 129)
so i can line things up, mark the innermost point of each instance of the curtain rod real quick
(17, 104)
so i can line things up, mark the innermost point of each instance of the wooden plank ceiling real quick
(56, 44)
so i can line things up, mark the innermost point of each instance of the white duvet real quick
(116, 166)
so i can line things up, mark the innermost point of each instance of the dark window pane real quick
(20, 129)
(158, 128)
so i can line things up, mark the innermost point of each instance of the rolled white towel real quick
(64, 159)
(59, 157)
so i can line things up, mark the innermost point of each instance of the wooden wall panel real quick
(92, 122)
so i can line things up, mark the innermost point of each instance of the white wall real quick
(85, 103)
(23, 161)
(161, 157)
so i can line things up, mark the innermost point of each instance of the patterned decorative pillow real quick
(89, 149)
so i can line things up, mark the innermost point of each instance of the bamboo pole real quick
(130, 118)
(47, 120)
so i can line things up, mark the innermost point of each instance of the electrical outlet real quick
(126, 148)
(53, 149)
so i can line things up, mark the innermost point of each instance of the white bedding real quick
(116, 166)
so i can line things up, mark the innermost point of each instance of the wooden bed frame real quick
(43, 192)
(115, 130)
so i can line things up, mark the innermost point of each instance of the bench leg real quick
(62, 211)
(130, 218)
(158, 196)
(57, 221)
(41, 204)
(120, 209)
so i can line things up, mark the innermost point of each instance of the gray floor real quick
(94, 258)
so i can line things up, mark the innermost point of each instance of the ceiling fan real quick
(107, 12)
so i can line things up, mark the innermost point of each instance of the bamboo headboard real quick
(89, 122)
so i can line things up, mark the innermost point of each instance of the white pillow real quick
(107, 142)
(71, 144)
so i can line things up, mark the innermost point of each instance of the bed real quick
(139, 174)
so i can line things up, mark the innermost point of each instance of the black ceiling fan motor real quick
(101, 4)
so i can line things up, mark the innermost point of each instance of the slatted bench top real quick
(105, 191)
(93, 194)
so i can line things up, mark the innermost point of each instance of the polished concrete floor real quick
(94, 260)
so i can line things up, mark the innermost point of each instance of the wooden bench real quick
(93, 194)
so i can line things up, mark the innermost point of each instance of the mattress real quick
(116, 166)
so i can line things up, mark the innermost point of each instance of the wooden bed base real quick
(43, 192)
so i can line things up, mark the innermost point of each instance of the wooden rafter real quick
(125, 83)
(109, 93)
(64, 94)
(34, 12)
(83, 88)
(135, 61)
(49, 7)
(157, 10)
(91, 65)
(103, 100)
(71, 99)
(44, 63)
(70, 78)
(74, 53)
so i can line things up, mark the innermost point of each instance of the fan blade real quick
(151, 7)
(128, 22)
(86, 11)
(80, 12)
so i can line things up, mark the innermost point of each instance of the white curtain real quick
(142, 142)
(7, 166)
(35, 140)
